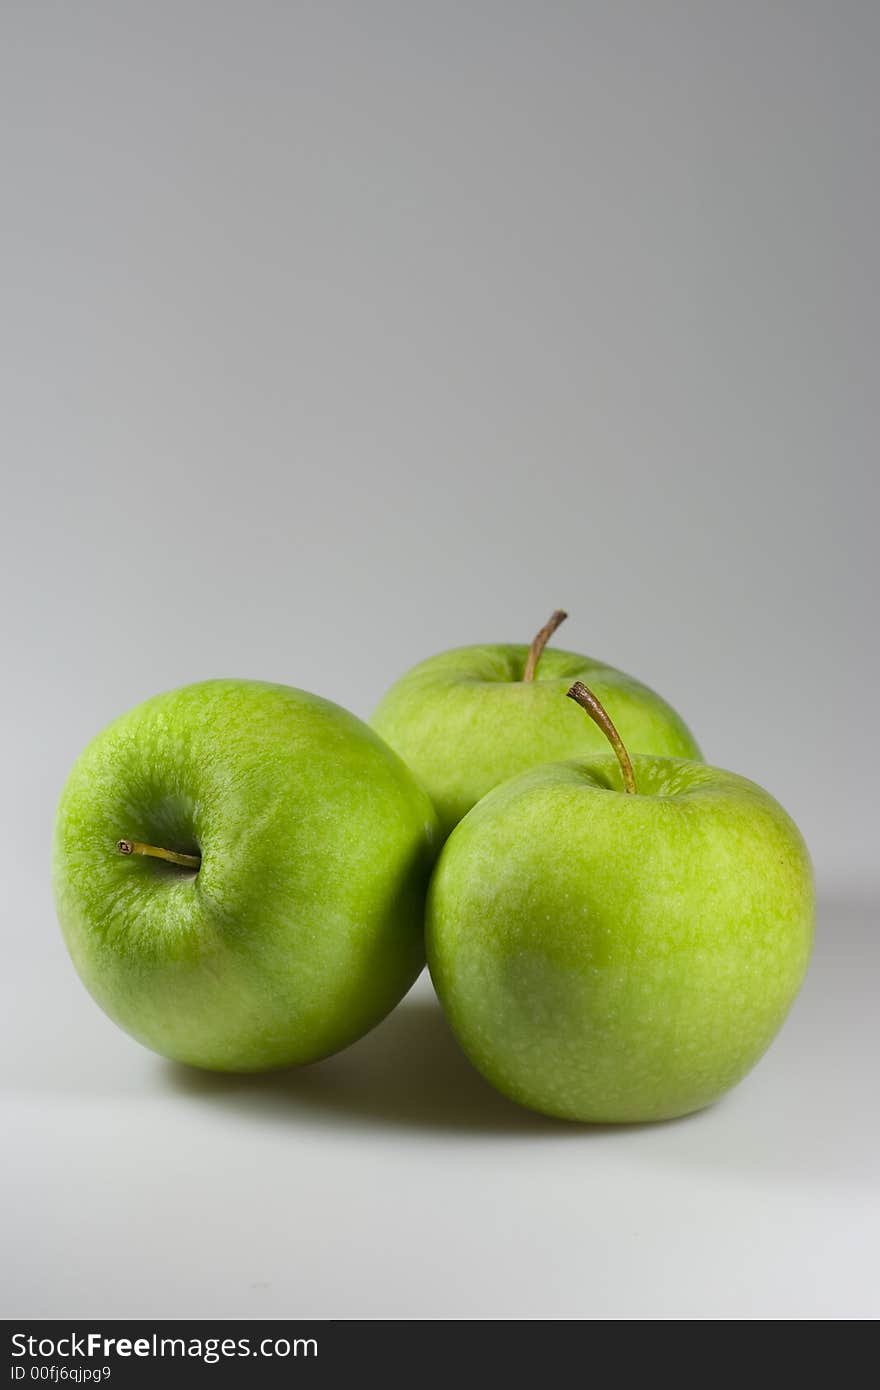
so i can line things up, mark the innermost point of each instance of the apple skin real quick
(610, 957)
(465, 720)
(303, 926)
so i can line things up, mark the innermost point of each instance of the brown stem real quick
(187, 861)
(540, 641)
(583, 696)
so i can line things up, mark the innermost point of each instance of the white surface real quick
(391, 1182)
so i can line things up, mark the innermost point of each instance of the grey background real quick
(336, 334)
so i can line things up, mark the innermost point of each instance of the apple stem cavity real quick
(171, 856)
(540, 641)
(584, 697)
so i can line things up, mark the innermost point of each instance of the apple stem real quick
(584, 697)
(540, 641)
(187, 861)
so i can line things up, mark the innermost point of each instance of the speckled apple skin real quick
(304, 924)
(610, 957)
(465, 721)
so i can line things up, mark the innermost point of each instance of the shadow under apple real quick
(407, 1072)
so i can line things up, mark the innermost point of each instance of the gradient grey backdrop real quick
(335, 334)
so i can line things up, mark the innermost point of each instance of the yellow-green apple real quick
(467, 719)
(618, 939)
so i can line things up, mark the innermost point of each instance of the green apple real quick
(240, 873)
(470, 718)
(620, 941)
